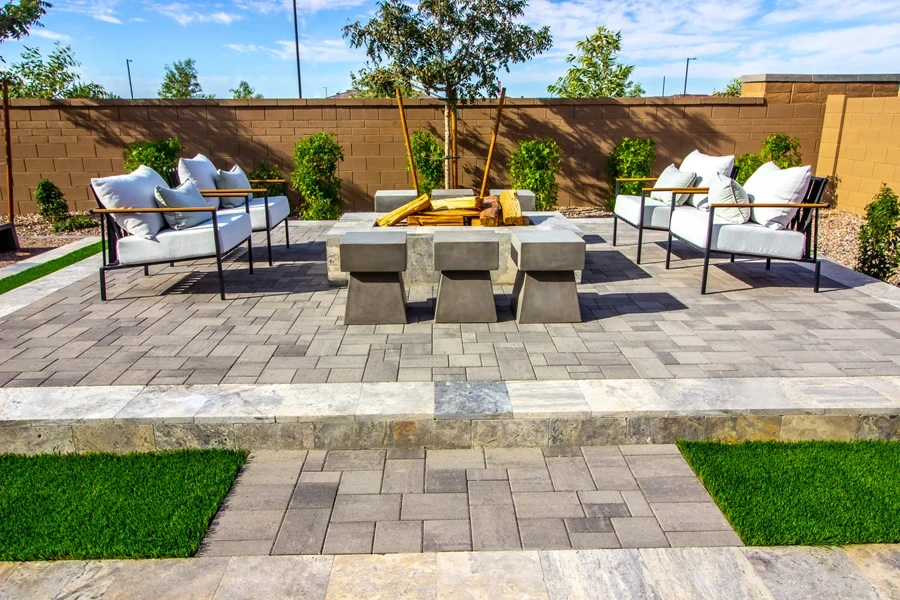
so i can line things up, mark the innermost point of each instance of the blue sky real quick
(253, 40)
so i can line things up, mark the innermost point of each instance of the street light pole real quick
(128, 62)
(297, 47)
(326, 90)
(687, 64)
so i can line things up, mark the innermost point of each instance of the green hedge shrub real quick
(779, 148)
(159, 155)
(428, 154)
(263, 170)
(632, 157)
(879, 242)
(52, 207)
(316, 177)
(533, 166)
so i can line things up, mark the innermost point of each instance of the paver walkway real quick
(856, 572)
(394, 501)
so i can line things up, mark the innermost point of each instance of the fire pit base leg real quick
(375, 299)
(545, 297)
(465, 297)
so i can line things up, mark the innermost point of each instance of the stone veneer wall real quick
(71, 141)
(860, 148)
(800, 89)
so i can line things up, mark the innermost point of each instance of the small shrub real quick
(51, 202)
(264, 170)
(746, 165)
(316, 177)
(779, 148)
(879, 242)
(632, 157)
(428, 154)
(533, 166)
(75, 223)
(159, 155)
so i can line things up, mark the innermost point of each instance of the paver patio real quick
(284, 324)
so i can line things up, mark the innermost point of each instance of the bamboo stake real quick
(487, 166)
(409, 156)
(455, 160)
(11, 206)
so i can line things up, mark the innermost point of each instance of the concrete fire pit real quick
(420, 246)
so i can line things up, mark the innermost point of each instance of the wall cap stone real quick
(859, 78)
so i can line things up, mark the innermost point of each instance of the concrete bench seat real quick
(465, 260)
(545, 289)
(375, 261)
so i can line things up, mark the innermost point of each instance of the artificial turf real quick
(38, 271)
(810, 493)
(92, 506)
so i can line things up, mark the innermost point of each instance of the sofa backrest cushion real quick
(185, 195)
(134, 190)
(724, 190)
(772, 185)
(672, 177)
(706, 167)
(201, 172)
(235, 179)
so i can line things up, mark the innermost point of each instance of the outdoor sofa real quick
(266, 213)
(144, 222)
(668, 193)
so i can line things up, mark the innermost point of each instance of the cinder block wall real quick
(860, 148)
(801, 89)
(71, 141)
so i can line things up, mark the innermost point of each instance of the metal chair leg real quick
(221, 276)
(146, 270)
(705, 272)
(640, 240)
(768, 264)
(269, 244)
(102, 284)
(732, 258)
(668, 250)
(287, 233)
(818, 274)
(250, 252)
(615, 229)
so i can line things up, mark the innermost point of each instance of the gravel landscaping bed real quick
(36, 236)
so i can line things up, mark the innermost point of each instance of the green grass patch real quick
(811, 493)
(95, 506)
(38, 271)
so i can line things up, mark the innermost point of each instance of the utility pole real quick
(687, 64)
(128, 62)
(325, 87)
(664, 85)
(297, 47)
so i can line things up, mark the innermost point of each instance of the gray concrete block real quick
(545, 297)
(547, 250)
(349, 538)
(475, 250)
(397, 537)
(454, 193)
(494, 527)
(543, 534)
(389, 200)
(375, 298)
(465, 297)
(446, 536)
(527, 199)
(374, 251)
(302, 532)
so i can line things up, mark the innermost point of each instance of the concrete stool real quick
(440, 194)
(545, 290)
(375, 261)
(465, 260)
(527, 198)
(388, 200)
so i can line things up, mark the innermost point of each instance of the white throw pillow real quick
(134, 190)
(772, 185)
(235, 179)
(185, 195)
(705, 167)
(724, 190)
(200, 171)
(672, 177)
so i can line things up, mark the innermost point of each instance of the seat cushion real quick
(770, 184)
(279, 209)
(656, 213)
(185, 195)
(235, 179)
(195, 242)
(672, 177)
(134, 190)
(201, 172)
(746, 238)
(705, 166)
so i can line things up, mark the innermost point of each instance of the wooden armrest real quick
(233, 193)
(677, 190)
(267, 180)
(769, 205)
(115, 211)
(636, 178)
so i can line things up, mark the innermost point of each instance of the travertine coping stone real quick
(420, 246)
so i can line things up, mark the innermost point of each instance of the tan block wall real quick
(71, 141)
(805, 92)
(860, 148)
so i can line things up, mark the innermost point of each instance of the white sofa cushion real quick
(771, 185)
(134, 190)
(732, 238)
(185, 195)
(724, 190)
(279, 209)
(656, 213)
(235, 179)
(672, 177)
(201, 172)
(195, 242)
(705, 166)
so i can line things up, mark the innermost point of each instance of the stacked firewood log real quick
(490, 211)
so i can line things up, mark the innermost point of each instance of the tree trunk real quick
(446, 145)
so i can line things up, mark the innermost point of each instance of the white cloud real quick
(244, 48)
(50, 35)
(102, 10)
(303, 6)
(184, 14)
(315, 51)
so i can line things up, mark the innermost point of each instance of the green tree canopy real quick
(16, 18)
(732, 88)
(180, 81)
(380, 82)
(453, 49)
(53, 78)
(243, 91)
(595, 71)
